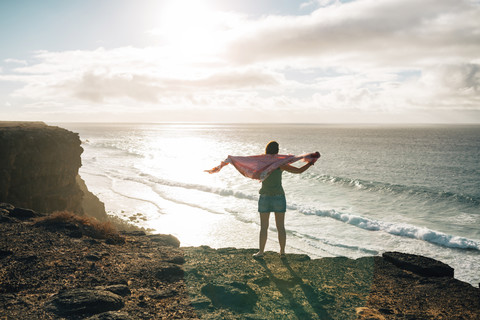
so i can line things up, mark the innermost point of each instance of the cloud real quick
(139, 75)
(449, 86)
(368, 32)
(97, 88)
(16, 61)
(365, 56)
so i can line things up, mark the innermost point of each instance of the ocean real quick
(413, 189)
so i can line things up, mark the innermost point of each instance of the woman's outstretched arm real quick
(293, 169)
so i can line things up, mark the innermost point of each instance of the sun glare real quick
(192, 27)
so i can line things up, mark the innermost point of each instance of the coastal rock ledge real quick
(52, 273)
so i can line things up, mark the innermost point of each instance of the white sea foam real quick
(398, 229)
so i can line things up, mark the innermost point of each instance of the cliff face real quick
(39, 167)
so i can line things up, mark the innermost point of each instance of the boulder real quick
(420, 265)
(120, 289)
(165, 240)
(23, 214)
(84, 302)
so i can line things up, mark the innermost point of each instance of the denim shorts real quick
(276, 203)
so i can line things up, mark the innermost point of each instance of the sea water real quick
(413, 189)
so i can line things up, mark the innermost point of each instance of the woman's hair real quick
(272, 147)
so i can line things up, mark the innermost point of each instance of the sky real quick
(304, 61)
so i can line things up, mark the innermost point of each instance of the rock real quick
(77, 234)
(177, 260)
(138, 233)
(23, 214)
(420, 265)
(169, 272)
(93, 257)
(234, 295)
(110, 315)
(364, 313)
(5, 209)
(165, 240)
(120, 289)
(115, 240)
(84, 301)
(91, 241)
(5, 253)
(162, 294)
(27, 259)
(6, 206)
(4, 218)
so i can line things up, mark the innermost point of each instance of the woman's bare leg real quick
(282, 235)
(264, 221)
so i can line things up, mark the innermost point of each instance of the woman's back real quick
(272, 185)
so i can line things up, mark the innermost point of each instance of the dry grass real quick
(88, 226)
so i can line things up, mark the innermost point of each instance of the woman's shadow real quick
(313, 298)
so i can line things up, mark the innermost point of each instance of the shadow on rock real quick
(234, 295)
(314, 299)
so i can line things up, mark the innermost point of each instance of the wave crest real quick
(398, 229)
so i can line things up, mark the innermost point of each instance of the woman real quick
(272, 199)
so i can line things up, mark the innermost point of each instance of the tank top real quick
(272, 186)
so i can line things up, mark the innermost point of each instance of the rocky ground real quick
(59, 272)
(64, 271)
(395, 286)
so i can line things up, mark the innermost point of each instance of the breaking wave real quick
(398, 229)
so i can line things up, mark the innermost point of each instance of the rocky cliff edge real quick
(61, 268)
(39, 169)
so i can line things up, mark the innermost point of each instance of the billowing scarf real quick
(259, 167)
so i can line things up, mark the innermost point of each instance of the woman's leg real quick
(282, 235)
(264, 221)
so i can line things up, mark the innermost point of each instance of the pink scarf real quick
(259, 167)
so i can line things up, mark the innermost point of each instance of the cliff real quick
(39, 169)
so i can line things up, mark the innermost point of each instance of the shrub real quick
(88, 226)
